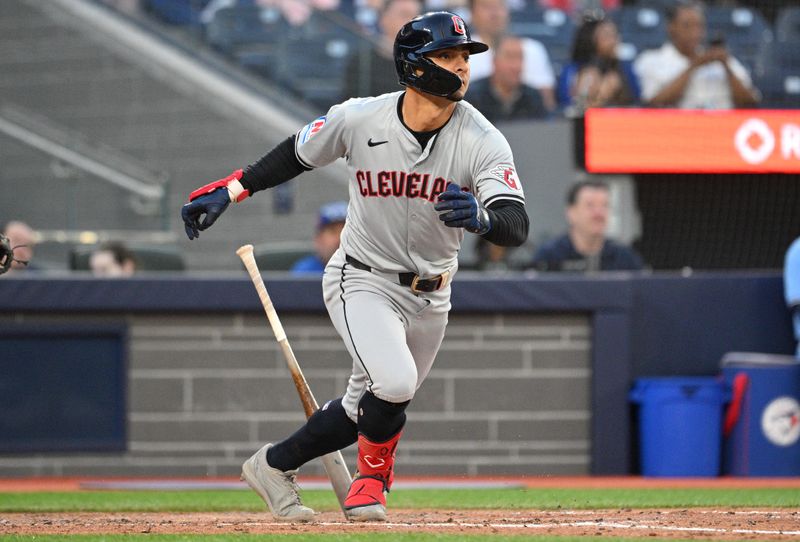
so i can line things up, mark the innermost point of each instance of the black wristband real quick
(276, 167)
(510, 223)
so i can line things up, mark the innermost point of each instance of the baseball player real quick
(424, 168)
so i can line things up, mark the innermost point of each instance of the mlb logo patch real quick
(310, 129)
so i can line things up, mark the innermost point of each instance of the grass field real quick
(566, 513)
(510, 499)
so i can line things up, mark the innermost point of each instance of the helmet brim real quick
(474, 47)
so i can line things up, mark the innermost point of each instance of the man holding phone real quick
(684, 74)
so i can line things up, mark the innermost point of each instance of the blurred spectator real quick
(332, 217)
(366, 13)
(682, 73)
(296, 12)
(596, 77)
(22, 239)
(503, 96)
(489, 23)
(112, 260)
(791, 283)
(459, 7)
(585, 246)
(380, 75)
(578, 7)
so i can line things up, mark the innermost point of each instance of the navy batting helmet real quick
(424, 34)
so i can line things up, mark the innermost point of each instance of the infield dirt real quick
(701, 524)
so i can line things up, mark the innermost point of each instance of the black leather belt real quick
(412, 280)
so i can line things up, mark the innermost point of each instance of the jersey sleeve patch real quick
(506, 174)
(310, 130)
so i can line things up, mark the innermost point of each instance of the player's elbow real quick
(519, 238)
(519, 234)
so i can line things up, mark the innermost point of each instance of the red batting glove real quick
(231, 182)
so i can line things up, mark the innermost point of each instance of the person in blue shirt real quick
(791, 283)
(332, 217)
(585, 246)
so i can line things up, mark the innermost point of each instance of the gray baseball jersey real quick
(393, 333)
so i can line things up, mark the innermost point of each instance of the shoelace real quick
(291, 479)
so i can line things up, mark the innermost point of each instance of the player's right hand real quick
(212, 205)
(211, 200)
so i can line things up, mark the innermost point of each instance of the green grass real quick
(247, 501)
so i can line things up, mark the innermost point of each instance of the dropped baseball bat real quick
(333, 462)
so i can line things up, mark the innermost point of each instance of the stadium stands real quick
(177, 12)
(787, 26)
(309, 60)
(80, 82)
(780, 80)
(744, 30)
(254, 37)
(321, 49)
(148, 258)
(552, 27)
(281, 256)
(640, 28)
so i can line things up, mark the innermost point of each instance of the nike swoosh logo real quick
(375, 143)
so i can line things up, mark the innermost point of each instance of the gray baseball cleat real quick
(366, 500)
(277, 488)
(373, 512)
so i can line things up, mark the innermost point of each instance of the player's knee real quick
(400, 387)
(380, 420)
(397, 391)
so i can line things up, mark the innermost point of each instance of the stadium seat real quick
(787, 26)
(659, 5)
(177, 12)
(779, 88)
(745, 31)
(280, 257)
(316, 59)
(148, 258)
(552, 27)
(640, 28)
(780, 83)
(254, 36)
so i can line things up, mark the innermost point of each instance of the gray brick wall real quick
(509, 394)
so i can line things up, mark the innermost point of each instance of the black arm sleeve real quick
(510, 223)
(276, 167)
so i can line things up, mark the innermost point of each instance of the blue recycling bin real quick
(680, 425)
(762, 425)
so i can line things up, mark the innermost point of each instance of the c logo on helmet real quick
(458, 24)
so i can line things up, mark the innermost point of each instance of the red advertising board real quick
(691, 141)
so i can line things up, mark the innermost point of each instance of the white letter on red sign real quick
(790, 141)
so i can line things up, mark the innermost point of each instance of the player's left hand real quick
(462, 210)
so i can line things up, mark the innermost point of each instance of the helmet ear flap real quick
(433, 79)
